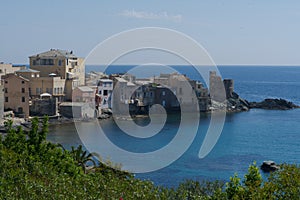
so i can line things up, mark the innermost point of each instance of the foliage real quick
(82, 157)
(32, 168)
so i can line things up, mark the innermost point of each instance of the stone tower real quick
(216, 87)
(229, 87)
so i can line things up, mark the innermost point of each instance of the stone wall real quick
(41, 107)
(76, 110)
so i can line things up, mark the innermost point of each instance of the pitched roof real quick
(122, 80)
(11, 75)
(85, 89)
(56, 53)
(105, 80)
(28, 70)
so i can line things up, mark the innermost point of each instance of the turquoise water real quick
(247, 136)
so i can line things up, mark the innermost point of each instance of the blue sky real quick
(233, 32)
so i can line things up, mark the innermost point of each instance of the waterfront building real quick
(53, 85)
(84, 94)
(104, 93)
(76, 110)
(63, 65)
(60, 62)
(167, 98)
(16, 94)
(203, 96)
(46, 105)
(181, 87)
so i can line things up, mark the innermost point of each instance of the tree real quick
(82, 158)
(252, 182)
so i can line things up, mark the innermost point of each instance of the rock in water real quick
(274, 104)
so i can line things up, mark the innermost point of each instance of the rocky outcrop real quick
(237, 104)
(274, 104)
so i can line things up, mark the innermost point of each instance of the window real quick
(32, 75)
(46, 62)
(23, 99)
(23, 90)
(23, 82)
(163, 93)
(59, 62)
(105, 92)
(38, 91)
(5, 89)
(180, 90)
(6, 99)
(6, 81)
(20, 110)
(34, 62)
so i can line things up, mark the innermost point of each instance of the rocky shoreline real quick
(237, 104)
(232, 105)
(274, 104)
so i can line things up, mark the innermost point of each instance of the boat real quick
(269, 166)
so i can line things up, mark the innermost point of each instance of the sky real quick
(249, 32)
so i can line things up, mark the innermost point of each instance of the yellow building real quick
(61, 63)
(53, 85)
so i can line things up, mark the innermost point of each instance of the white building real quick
(104, 93)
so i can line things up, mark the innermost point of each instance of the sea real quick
(255, 135)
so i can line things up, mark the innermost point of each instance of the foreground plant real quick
(33, 168)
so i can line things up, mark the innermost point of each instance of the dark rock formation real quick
(273, 104)
(269, 166)
(237, 104)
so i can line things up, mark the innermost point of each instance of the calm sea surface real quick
(247, 136)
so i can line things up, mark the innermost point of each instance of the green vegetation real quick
(32, 168)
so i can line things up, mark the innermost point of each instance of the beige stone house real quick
(84, 94)
(59, 63)
(16, 94)
(56, 72)
(53, 85)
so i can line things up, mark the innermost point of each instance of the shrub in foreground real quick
(33, 168)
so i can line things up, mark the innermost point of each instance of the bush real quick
(32, 168)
